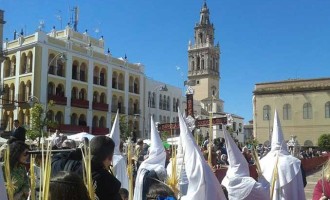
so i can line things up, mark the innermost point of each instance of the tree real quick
(39, 122)
(125, 130)
(324, 142)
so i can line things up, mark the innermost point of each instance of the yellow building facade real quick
(303, 107)
(70, 68)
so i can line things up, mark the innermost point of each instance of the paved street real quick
(311, 182)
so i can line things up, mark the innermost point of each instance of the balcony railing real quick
(59, 100)
(79, 103)
(101, 106)
(69, 128)
(100, 131)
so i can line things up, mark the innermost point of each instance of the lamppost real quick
(159, 88)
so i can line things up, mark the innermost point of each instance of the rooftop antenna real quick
(76, 18)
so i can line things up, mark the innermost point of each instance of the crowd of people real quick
(150, 167)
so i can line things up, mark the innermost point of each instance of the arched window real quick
(114, 80)
(153, 103)
(168, 103)
(103, 98)
(74, 119)
(60, 90)
(23, 64)
(103, 77)
(51, 88)
(13, 66)
(59, 117)
(22, 91)
(149, 99)
(287, 112)
(74, 93)
(130, 84)
(198, 63)
(202, 63)
(83, 72)
(82, 120)
(327, 109)
(50, 115)
(164, 103)
(75, 65)
(136, 86)
(95, 97)
(102, 122)
(160, 101)
(136, 107)
(7, 64)
(96, 75)
(95, 121)
(121, 85)
(29, 62)
(60, 67)
(82, 94)
(266, 112)
(307, 111)
(51, 68)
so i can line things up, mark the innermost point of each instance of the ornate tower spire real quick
(204, 59)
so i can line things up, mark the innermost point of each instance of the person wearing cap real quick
(288, 179)
(106, 185)
(237, 181)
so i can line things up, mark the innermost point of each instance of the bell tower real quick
(204, 61)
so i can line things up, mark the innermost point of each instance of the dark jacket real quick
(19, 133)
(106, 185)
(67, 161)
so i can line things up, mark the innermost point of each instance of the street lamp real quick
(159, 88)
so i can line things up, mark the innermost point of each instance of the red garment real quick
(317, 194)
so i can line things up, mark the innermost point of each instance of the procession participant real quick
(202, 182)
(153, 166)
(68, 160)
(18, 155)
(18, 132)
(3, 192)
(119, 161)
(67, 186)
(322, 187)
(106, 185)
(237, 181)
(160, 191)
(288, 179)
(138, 153)
(123, 193)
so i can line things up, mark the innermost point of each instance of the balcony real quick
(101, 106)
(69, 128)
(80, 103)
(100, 131)
(59, 100)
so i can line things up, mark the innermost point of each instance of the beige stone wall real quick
(306, 130)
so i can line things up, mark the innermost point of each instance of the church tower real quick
(203, 63)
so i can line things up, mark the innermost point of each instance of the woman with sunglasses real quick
(18, 155)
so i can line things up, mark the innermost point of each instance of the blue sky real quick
(260, 40)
